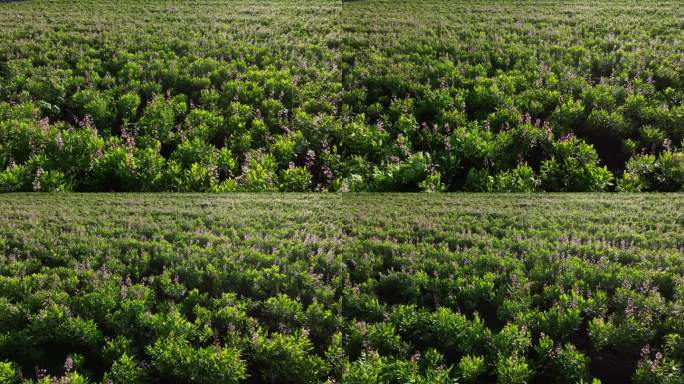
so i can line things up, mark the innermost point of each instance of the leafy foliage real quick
(367, 288)
(314, 96)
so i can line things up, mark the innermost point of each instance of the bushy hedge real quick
(219, 97)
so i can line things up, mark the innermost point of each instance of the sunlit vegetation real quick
(341, 288)
(294, 95)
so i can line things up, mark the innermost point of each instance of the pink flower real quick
(44, 123)
(68, 364)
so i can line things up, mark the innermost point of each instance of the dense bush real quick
(288, 359)
(8, 373)
(370, 288)
(574, 167)
(648, 172)
(175, 359)
(464, 97)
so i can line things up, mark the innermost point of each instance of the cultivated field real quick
(342, 288)
(295, 95)
(331, 96)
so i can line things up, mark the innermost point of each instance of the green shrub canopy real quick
(324, 95)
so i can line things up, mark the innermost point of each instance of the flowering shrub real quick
(259, 173)
(375, 369)
(512, 369)
(158, 121)
(295, 179)
(15, 178)
(144, 288)
(566, 364)
(520, 179)
(125, 370)
(574, 168)
(287, 359)
(176, 359)
(414, 175)
(471, 367)
(467, 98)
(648, 173)
(8, 373)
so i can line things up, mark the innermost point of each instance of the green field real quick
(342, 288)
(323, 95)
(341, 96)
